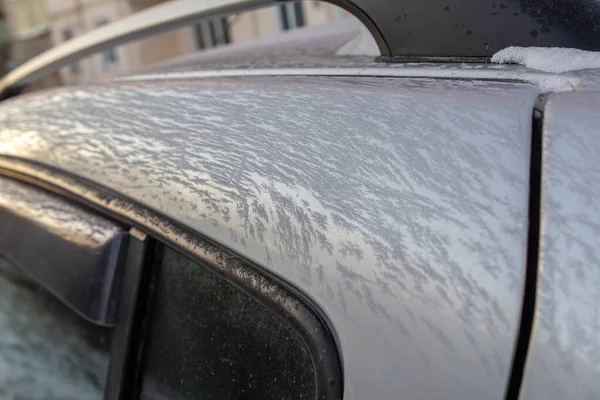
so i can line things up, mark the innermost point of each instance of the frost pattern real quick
(565, 352)
(398, 205)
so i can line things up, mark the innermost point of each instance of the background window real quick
(74, 68)
(109, 57)
(291, 15)
(212, 33)
(46, 350)
(209, 340)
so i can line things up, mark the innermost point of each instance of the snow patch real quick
(552, 84)
(549, 59)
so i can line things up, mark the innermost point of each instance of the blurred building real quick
(164, 46)
(275, 19)
(39, 24)
(243, 27)
(29, 29)
(71, 18)
(5, 41)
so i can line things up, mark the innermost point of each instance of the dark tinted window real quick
(47, 352)
(209, 340)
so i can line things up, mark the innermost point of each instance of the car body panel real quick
(564, 356)
(398, 206)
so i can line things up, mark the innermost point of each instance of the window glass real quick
(47, 352)
(209, 340)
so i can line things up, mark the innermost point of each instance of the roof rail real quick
(153, 20)
(414, 29)
(462, 29)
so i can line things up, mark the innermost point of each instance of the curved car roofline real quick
(423, 29)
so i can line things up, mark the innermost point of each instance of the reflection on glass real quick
(209, 340)
(47, 352)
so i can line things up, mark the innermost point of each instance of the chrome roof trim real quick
(479, 72)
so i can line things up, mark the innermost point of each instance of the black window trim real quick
(97, 247)
(289, 304)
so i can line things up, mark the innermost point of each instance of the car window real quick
(209, 340)
(47, 351)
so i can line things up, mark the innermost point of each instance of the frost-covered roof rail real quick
(151, 21)
(424, 29)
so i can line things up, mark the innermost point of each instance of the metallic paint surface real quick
(399, 206)
(564, 356)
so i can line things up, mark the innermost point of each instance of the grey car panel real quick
(398, 206)
(564, 355)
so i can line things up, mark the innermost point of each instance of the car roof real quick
(394, 196)
(316, 48)
(290, 47)
(329, 184)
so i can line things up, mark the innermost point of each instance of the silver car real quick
(249, 224)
